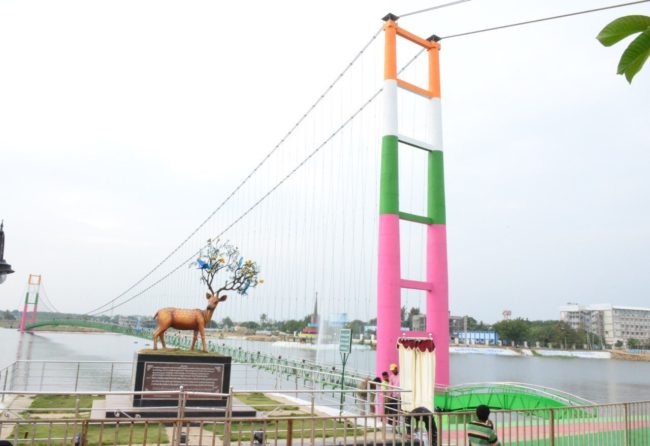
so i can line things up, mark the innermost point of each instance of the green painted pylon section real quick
(389, 187)
(436, 197)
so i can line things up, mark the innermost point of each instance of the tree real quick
(291, 326)
(515, 330)
(264, 319)
(227, 322)
(638, 50)
(633, 343)
(218, 256)
(251, 325)
(564, 334)
(356, 326)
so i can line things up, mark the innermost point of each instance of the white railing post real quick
(40, 384)
(228, 419)
(76, 379)
(551, 432)
(180, 415)
(110, 378)
(626, 425)
(4, 386)
(13, 375)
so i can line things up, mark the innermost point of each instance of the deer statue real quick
(186, 319)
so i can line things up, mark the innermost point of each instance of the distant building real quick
(372, 329)
(456, 324)
(126, 321)
(482, 337)
(419, 322)
(612, 323)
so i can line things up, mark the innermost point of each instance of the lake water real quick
(598, 380)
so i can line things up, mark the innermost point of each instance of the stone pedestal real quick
(160, 370)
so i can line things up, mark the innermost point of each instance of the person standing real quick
(394, 394)
(394, 376)
(385, 396)
(362, 395)
(391, 397)
(481, 430)
(373, 397)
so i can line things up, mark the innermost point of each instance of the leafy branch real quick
(638, 51)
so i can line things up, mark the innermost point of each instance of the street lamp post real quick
(5, 268)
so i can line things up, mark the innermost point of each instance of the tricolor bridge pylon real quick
(390, 281)
(31, 298)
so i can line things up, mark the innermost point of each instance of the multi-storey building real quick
(610, 322)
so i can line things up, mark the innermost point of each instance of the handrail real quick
(67, 361)
(523, 388)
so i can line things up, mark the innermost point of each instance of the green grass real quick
(67, 328)
(263, 403)
(54, 432)
(54, 402)
(277, 429)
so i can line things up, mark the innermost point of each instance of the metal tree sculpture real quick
(218, 256)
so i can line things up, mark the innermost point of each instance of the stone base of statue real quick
(169, 369)
(166, 370)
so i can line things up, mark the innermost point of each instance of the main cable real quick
(544, 19)
(313, 106)
(260, 200)
(253, 206)
(433, 8)
(47, 300)
(268, 193)
(248, 177)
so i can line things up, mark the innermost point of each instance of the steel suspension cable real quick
(248, 177)
(419, 11)
(544, 19)
(47, 300)
(268, 193)
(307, 113)
(254, 205)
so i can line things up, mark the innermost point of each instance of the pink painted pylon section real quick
(388, 292)
(437, 318)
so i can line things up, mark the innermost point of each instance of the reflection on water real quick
(66, 346)
(593, 379)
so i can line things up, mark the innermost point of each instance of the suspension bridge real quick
(307, 213)
(349, 204)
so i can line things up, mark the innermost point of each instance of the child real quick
(481, 431)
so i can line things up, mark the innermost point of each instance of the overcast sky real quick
(124, 124)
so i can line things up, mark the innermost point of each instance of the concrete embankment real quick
(506, 351)
(616, 354)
